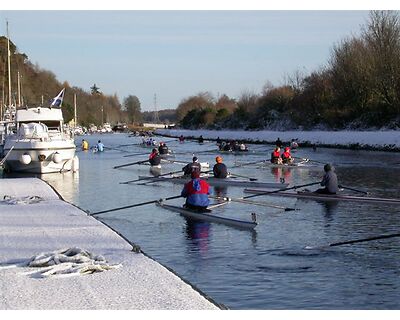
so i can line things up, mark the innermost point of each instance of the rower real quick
(154, 158)
(196, 192)
(100, 146)
(329, 181)
(181, 139)
(220, 170)
(201, 139)
(190, 167)
(276, 156)
(294, 144)
(286, 156)
(163, 149)
(85, 145)
(278, 143)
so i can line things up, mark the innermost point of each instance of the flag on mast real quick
(57, 101)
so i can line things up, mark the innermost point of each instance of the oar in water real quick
(279, 190)
(385, 236)
(256, 203)
(248, 163)
(131, 164)
(355, 190)
(149, 178)
(133, 205)
(240, 176)
(310, 160)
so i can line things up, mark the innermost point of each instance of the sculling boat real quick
(325, 197)
(208, 216)
(230, 181)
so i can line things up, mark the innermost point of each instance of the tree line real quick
(358, 88)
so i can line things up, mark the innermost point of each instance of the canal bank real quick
(83, 263)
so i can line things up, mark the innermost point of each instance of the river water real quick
(268, 268)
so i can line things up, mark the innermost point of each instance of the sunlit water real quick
(268, 268)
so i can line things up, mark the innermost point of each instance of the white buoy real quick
(75, 164)
(25, 159)
(56, 157)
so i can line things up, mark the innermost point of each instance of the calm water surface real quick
(268, 268)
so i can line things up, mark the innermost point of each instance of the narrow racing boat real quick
(230, 181)
(325, 197)
(207, 215)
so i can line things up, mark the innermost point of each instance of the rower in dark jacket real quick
(220, 170)
(329, 181)
(163, 149)
(190, 167)
(154, 158)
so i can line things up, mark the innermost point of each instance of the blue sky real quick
(175, 54)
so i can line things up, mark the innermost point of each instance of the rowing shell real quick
(206, 216)
(325, 197)
(219, 182)
(300, 165)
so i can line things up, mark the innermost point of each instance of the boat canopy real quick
(39, 114)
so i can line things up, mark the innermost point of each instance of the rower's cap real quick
(195, 159)
(327, 167)
(218, 159)
(287, 149)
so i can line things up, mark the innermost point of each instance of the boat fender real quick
(75, 164)
(56, 157)
(25, 159)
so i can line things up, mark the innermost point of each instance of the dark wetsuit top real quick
(220, 171)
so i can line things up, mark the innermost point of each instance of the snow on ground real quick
(379, 140)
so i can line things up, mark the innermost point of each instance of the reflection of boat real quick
(230, 181)
(325, 197)
(41, 145)
(208, 216)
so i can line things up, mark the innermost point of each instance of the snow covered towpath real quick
(54, 256)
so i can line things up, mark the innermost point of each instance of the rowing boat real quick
(207, 216)
(324, 197)
(299, 165)
(212, 181)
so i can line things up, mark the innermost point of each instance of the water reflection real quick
(282, 175)
(198, 233)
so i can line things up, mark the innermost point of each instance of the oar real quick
(279, 190)
(130, 164)
(306, 159)
(135, 154)
(240, 176)
(248, 163)
(360, 191)
(147, 178)
(256, 203)
(133, 205)
(385, 236)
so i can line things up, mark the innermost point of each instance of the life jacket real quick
(196, 193)
(286, 155)
(275, 155)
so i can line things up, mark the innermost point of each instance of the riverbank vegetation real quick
(358, 88)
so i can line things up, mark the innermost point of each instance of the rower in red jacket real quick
(276, 156)
(154, 158)
(286, 156)
(196, 192)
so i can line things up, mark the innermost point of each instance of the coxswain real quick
(201, 139)
(163, 149)
(286, 156)
(276, 156)
(196, 192)
(329, 181)
(100, 146)
(154, 158)
(85, 145)
(278, 143)
(190, 167)
(220, 170)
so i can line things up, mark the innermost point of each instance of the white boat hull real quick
(325, 197)
(204, 216)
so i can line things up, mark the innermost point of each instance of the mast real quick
(9, 67)
(75, 110)
(19, 90)
(156, 119)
